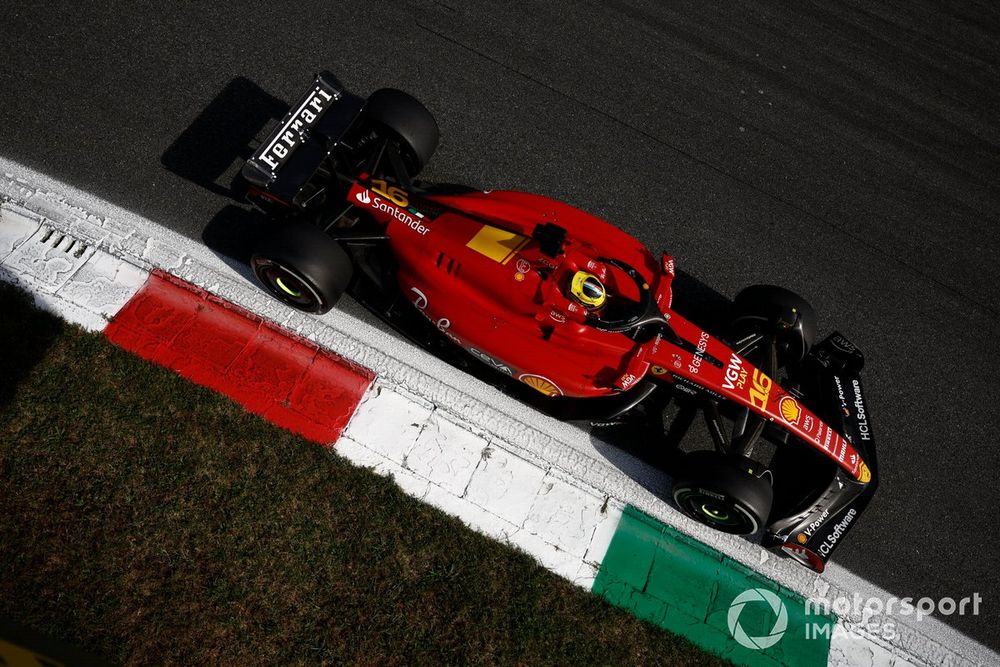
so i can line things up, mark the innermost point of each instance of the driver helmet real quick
(587, 290)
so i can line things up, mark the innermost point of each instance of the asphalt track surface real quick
(849, 152)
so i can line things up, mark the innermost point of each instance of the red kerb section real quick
(287, 380)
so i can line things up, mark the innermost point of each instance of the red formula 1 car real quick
(550, 298)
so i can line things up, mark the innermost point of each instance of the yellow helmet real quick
(587, 289)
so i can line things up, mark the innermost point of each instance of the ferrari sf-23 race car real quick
(536, 293)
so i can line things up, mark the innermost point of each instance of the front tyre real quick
(725, 492)
(775, 311)
(302, 266)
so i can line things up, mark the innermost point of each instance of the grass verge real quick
(149, 520)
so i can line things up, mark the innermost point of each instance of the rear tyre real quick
(770, 310)
(300, 265)
(408, 122)
(728, 493)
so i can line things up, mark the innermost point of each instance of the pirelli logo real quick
(293, 131)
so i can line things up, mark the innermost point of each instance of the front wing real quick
(841, 435)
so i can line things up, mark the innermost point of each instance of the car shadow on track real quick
(211, 150)
(210, 153)
(648, 450)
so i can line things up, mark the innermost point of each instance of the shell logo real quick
(539, 383)
(790, 410)
(865, 475)
(802, 538)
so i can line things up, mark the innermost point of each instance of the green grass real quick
(149, 520)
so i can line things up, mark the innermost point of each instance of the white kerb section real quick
(849, 647)
(65, 275)
(563, 524)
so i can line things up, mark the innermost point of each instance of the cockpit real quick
(599, 292)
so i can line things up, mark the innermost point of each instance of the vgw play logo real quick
(758, 601)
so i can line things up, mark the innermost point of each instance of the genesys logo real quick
(699, 354)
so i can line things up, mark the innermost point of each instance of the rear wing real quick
(306, 136)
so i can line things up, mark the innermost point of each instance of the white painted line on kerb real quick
(510, 429)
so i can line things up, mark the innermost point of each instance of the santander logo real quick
(392, 210)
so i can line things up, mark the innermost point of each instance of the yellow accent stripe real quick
(497, 244)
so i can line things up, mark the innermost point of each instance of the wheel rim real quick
(722, 514)
(715, 513)
(287, 289)
(286, 285)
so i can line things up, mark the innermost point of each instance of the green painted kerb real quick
(678, 583)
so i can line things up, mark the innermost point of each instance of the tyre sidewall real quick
(723, 478)
(687, 497)
(317, 261)
(756, 307)
(408, 122)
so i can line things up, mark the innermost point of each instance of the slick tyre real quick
(302, 266)
(725, 492)
(408, 122)
(766, 309)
